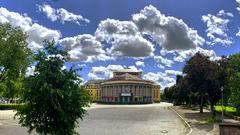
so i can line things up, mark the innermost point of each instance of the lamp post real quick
(222, 103)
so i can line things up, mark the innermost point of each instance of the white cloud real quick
(172, 72)
(124, 38)
(225, 14)
(140, 63)
(238, 8)
(30, 71)
(111, 29)
(160, 66)
(102, 72)
(135, 68)
(171, 33)
(81, 65)
(238, 33)
(84, 48)
(180, 58)
(36, 32)
(98, 73)
(217, 28)
(161, 78)
(132, 46)
(61, 14)
(184, 55)
(64, 67)
(165, 61)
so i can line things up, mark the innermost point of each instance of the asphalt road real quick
(152, 119)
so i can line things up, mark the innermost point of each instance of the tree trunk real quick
(201, 104)
(212, 110)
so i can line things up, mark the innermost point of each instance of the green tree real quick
(215, 80)
(205, 78)
(14, 58)
(195, 75)
(233, 80)
(54, 98)
(183, 92)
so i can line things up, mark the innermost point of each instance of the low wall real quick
(229, 129)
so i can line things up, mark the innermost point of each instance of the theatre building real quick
(126, 86)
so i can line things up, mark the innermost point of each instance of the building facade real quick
(126, 86)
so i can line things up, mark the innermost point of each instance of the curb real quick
(183, 120)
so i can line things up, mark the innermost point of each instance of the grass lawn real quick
(228, 109)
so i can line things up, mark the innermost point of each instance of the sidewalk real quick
(7, 114)
(197, 121)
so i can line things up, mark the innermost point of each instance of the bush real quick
(228, 109)
(10, 106)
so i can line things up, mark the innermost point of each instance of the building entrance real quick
(126, 97)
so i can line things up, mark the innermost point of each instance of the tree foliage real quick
(14, 58)
(233, 79)
(54, 98)
(200, 83)
(14, 53)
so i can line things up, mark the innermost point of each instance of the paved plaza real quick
(150, 119)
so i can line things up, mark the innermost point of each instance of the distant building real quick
(126, 86)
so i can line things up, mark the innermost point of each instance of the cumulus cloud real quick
(184, 55)
(84, 48)
(165, 61)
(124, 37)
(225, 14)
(111, 29)
(161, 78)
(134, 68)
(61, 14)
(217, 28)
(140, 63)
(171, 33)
(132, 46)
(36, 32)
(102, 72)
(173, 72)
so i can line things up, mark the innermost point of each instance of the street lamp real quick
(222, 103)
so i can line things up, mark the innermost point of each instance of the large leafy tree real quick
(54, 98)
(14, 53)
(205, 78)
(215, 79)
(196, 75)
(234, 80)
(183, 92)
(14, 59)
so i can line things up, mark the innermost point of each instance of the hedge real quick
(10, 106)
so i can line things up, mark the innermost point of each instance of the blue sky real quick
(153, 36)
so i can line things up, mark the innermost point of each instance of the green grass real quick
(228, 109)
(211, 120)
